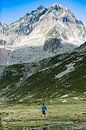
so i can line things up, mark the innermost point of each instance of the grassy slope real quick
(42, 85)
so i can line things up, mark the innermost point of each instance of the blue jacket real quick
(44, 108)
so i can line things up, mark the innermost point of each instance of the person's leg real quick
(43, 112)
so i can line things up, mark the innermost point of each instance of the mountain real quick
(43, 33)
(42, 57)
(58, 22)
(49, 79)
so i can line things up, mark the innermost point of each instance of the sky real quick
(12, 10)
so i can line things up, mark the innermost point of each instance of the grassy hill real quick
(47, 80)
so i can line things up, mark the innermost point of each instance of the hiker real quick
(44, 108)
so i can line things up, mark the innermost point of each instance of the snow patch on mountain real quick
(70, 68)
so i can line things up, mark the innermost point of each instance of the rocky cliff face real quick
(40, 32)
(26, 24)
(58, 22)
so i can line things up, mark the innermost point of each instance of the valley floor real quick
(30, 115)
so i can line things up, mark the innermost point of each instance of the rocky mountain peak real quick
(58, 6)
(62, 13)
(26, 24)
(41, 31)
(40, 7)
